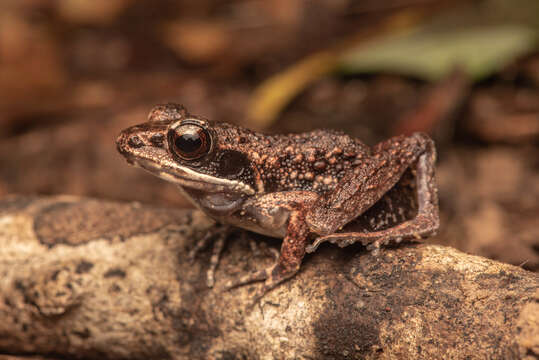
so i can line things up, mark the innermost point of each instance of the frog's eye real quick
(189, 141)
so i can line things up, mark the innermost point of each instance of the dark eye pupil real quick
(188, 143)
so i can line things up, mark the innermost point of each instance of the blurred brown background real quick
(73, 73)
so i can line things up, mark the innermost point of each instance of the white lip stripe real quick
(191, 175)
(217, 181)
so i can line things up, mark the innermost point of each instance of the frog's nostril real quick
(135, 142)
(157, 140)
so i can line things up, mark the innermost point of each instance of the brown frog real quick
(306, 188)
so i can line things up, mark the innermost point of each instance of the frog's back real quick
(313, 161)
(310, 161)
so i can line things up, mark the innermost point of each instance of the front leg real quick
(288, 263)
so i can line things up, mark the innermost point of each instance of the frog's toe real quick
(256, 276)
(219, 233)
(272, 277)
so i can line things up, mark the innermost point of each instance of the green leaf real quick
(432, 54)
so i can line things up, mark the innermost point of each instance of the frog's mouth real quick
(211, 194)
(188, 178)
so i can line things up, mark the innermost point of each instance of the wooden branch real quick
(94, 279)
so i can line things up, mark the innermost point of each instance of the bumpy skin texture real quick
(321, 185)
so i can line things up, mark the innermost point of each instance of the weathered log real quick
(93, 279)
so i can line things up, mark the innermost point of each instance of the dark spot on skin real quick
(232, 164)
(84, 267)
(114, 273)
(157, 140)
(135, 142)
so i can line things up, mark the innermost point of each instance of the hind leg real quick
(424, 224)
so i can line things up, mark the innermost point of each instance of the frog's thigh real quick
(355, 193)
(424, 224)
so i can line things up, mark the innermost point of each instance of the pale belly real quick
(266, 214)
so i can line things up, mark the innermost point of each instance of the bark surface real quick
(94, 279)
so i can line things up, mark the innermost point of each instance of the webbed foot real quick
(272, 276)
(220, 233)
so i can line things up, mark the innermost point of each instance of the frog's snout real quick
(122, 143)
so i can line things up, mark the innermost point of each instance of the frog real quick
(304, 188)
